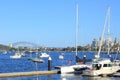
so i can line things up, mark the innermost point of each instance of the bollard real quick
(84, 59)
(49, 64)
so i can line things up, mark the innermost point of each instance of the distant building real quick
(116, 41)
(10, 45)
(103, 42)
(108, 41)
(94, 43)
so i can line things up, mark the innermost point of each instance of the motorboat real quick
(61, 56)
(102, 67)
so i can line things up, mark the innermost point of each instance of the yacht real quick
(103, 66)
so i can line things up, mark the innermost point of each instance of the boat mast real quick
(108, 30)
(102, 36)
(76, 31)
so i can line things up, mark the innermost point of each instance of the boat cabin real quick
(101, 63)
(100, 66)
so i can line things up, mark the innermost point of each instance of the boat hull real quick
(71, 68)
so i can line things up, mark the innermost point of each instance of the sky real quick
(53, 22)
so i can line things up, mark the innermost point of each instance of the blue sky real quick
(52, 22)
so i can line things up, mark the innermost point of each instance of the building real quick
(94, 43)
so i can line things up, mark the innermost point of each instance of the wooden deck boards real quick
(32, 73)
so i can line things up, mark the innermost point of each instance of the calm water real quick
(8, 65)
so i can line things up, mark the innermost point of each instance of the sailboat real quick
(71, 68)
(102, 66)
(17, 55)
(44, 55)
(36, 59)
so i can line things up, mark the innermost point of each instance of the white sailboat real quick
(102, 66)
(16, 56)
(71, 68)
(5, 52)
(44, 55)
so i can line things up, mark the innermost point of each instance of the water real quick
(8, 65)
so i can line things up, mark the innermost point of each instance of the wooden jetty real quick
(32, 73)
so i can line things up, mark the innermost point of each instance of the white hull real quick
(110, 68)
(103, 72)
(16, 56)
(70, 68)
(44, 55)
(61, 57)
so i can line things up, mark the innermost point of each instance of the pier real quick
(32, 73)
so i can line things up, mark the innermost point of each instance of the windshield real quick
(96, 66)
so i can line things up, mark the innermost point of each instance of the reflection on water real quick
(99, 78)
(79, 77)
(70, 77)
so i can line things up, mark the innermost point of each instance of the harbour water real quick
(8, 65)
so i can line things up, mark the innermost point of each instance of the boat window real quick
(94, 68)
(97, 66)
(109, 65)
(105, 65)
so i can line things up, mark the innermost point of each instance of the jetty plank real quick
(32, 73)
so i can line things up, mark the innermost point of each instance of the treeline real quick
(80, 48)
(68, 49)
(6, 48)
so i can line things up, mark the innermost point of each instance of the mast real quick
(102, 36)
(76, 31)
(108, 30)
